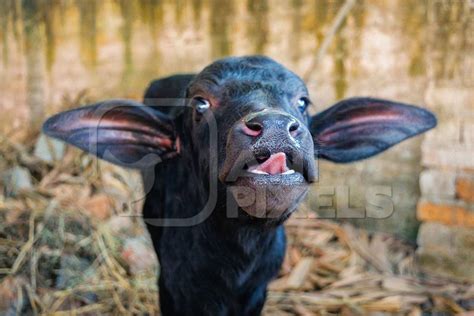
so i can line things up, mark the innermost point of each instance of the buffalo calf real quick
(226, 156)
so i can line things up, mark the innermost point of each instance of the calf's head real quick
(266, 140)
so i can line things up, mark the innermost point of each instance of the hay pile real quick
(71, 243)
(70, 240)
(338, 270)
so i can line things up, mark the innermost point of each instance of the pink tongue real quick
(276, 164)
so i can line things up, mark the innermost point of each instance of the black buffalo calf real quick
(225, 166)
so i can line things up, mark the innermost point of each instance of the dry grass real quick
(60, 253)
(332, 269)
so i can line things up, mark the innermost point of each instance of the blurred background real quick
(68, 242)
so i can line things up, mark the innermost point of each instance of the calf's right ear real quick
(358, 128)
(123, 132)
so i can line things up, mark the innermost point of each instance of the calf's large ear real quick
(358, 128)
(123, 132)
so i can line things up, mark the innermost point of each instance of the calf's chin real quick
(261, 198)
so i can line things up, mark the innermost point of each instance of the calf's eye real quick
(303, 104)
(200, 104)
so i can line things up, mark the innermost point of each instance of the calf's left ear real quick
(123, 132)
(358, 128)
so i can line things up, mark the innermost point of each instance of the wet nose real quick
(258, 123)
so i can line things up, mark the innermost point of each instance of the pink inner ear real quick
(164, 142)
(123, 124)
(357, 122)
(107, 122)
(380, 117)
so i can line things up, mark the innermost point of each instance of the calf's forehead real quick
(237, 76)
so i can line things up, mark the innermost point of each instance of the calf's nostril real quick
(293, 127)
(252, 128)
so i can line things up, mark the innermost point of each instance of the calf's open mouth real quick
(271, 186)
(265, 168)
(276, 164)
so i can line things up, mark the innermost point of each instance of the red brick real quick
(448, 214)
(465, 188)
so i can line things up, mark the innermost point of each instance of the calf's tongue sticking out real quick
(275, 164)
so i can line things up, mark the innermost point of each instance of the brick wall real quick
(446, 207)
